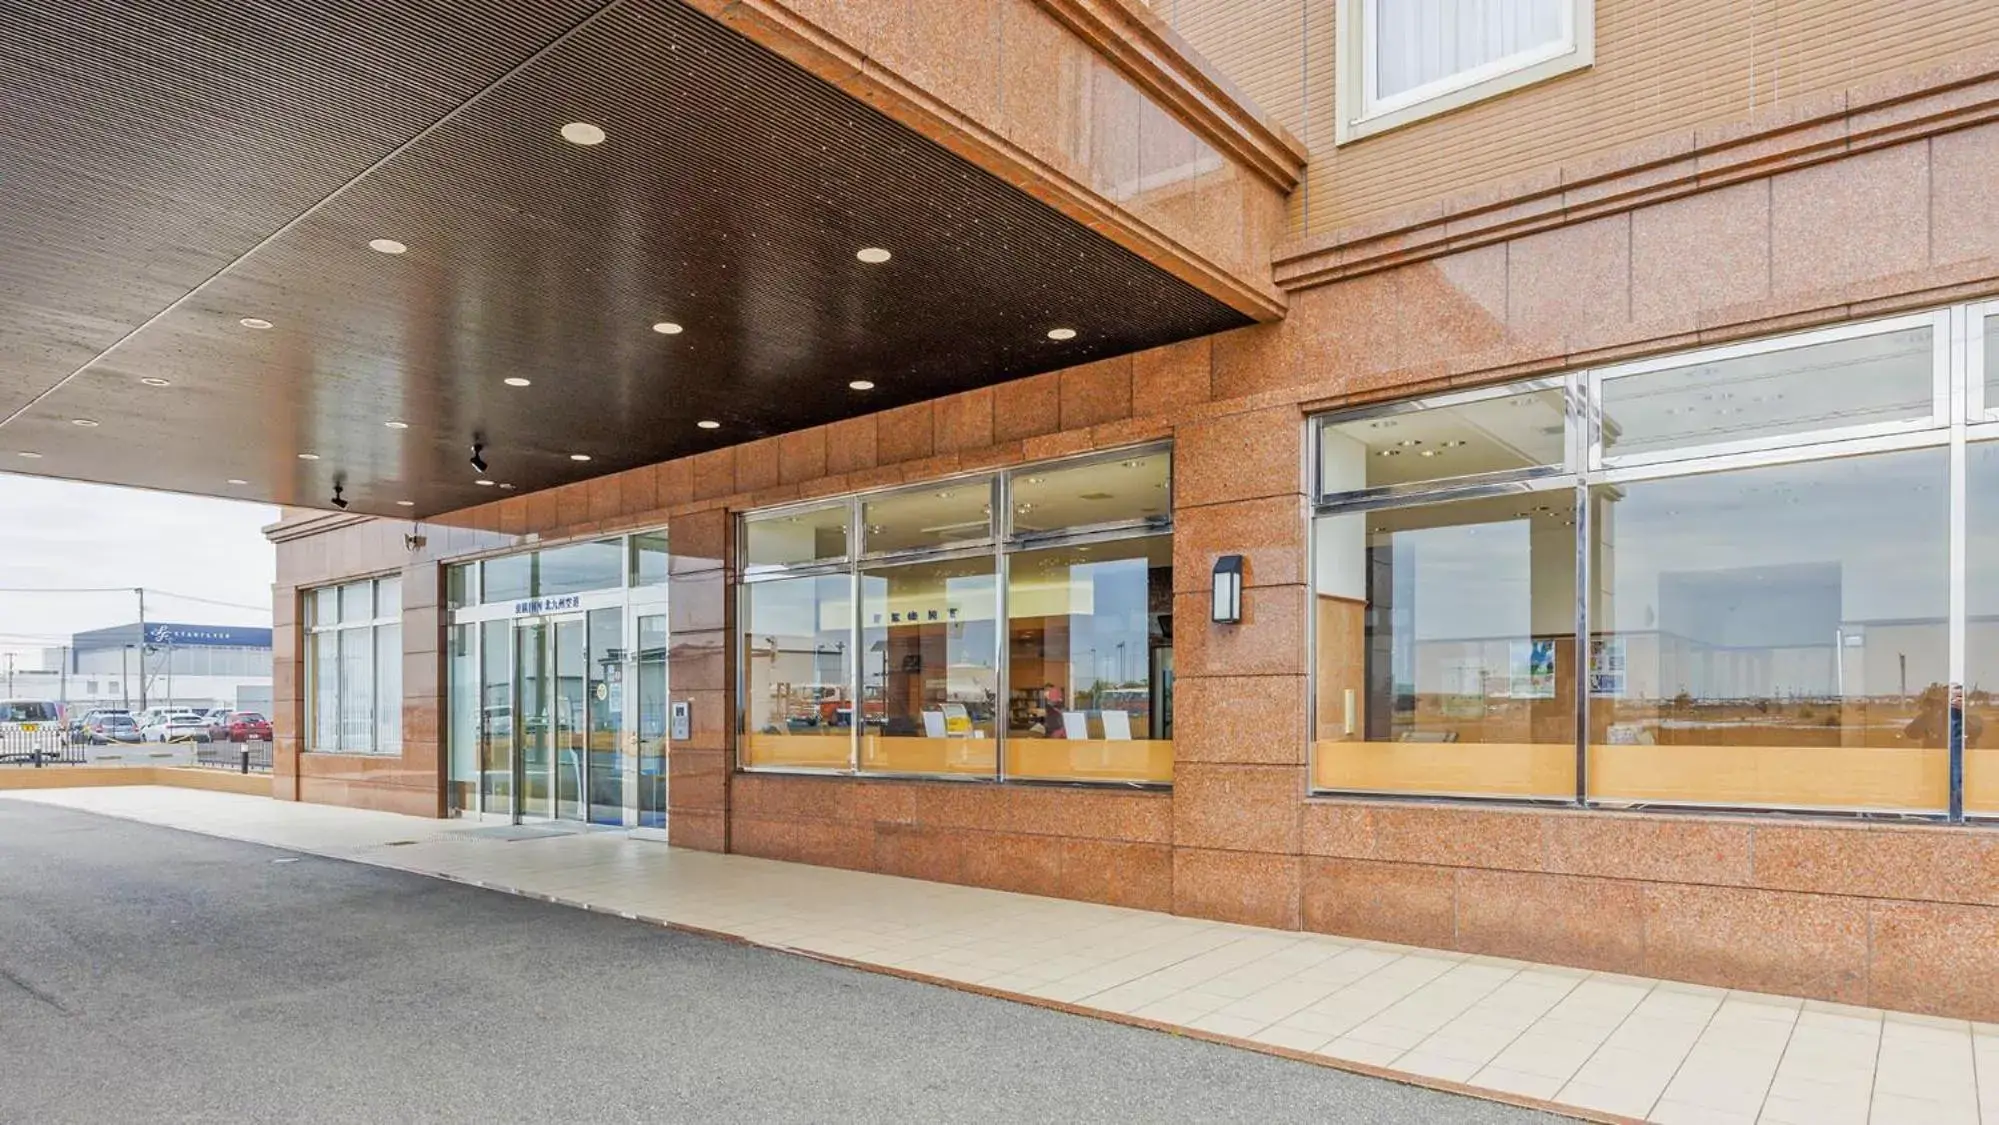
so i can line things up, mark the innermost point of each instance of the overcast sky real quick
(67, 535)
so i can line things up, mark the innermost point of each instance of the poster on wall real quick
(1606, 666)
(1531, 670)
(1463, 695)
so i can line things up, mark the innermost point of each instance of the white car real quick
(176, 726)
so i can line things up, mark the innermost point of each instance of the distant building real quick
(170, 663)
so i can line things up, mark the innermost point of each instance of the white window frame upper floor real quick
(1360, 113)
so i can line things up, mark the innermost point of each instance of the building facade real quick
(1584, 556)
(158, 664)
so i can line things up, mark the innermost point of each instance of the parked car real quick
(248, 726)
(218, 723)
(30, 730)
(176, 726)
(110, 727)
(79, 725)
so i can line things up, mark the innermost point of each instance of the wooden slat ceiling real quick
(171, 167)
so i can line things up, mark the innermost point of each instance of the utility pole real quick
(10, 675)
(125, 675)
(141, 591)
(63, 681)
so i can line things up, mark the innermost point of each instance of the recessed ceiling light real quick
(579, 457)
(483, 483)
(667, 328)
(1410, 441)
(308, 456)
(155, 381)
(517, 381)
(1129, 464)
(506, 486)
(944, 495)
(85, 422)
(1388, 453)
(256, 322)
(1061, 333)
(1035, 480)
(397, 425)
(1387, 424)
(873, 255)
(582, 133)
(708, 424)
(405, 503)
(386, 246)
(29, 454)
(1429, 453)
(1453, 444)
(861, 385)
(238, 480)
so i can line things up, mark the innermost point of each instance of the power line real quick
(129, 589)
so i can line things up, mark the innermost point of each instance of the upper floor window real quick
(1403, 60)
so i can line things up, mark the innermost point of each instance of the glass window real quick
(388, 691)
(1407, 59)
(649, 559)
(797, 538)
(357, 689)
(324, 675)
(598, 565)
(461, 585)
(324, 606)
(1981, 628)
(1839, 384)
(929, 667)
(1990, 375)
(388, 598)
(947, 516)
(1490, 435)
(462, 727)
(1127, 489)
(496, 713)
(604, 705)
(1773, 636)
(797, 634)
(1445, 647)
(357, 601)
(1090, 634)
(508, 579)
(652, 721)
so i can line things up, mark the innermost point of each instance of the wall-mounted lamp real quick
(1227, 608)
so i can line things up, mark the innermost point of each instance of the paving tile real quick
(1517, 1082)
(1361, 1051)
(1624, 1101)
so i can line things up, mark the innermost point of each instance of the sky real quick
(66, 535)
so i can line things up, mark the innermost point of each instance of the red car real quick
(248, 726)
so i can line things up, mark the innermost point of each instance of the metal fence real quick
(53, 745)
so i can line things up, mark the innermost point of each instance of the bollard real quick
(246, 759)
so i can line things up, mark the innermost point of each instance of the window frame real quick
(345, 632)
(1359, 113)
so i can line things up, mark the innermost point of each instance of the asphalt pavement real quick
(160, 976)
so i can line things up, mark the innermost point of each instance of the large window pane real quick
(653, 712)
(461, 585)
(462, 726)
(819, 535)
(1990, 327)
(1491, 435)
(1981, 629)
(508, 579)
(1446, 648)
(388, 689)
(496, 714)
(325, 678)
(1138, 487)
(1090, 636)
(357, 601)
(357, 689)
(389, 598)
(798, 705)
(1773, 636)
(1440, 44)
(323, 606)
(649, 559)
(605, 703)
(947, 516)
(578, 567)
(929, 668)
(1887, 377)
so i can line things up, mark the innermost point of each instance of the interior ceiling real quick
(171, 167)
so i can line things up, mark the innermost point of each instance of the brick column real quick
(423, 683)
(286, 709)
(700, 616)
(1239, 714)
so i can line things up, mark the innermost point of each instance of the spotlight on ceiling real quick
(405, 503)
(579, 457)
(339, 501)
(667, 328)
(1061, 333)
(709, 424)
(873, 255)
(582, 133)
(861, 385)
(517, 381)
(386, 246)
(479, 457)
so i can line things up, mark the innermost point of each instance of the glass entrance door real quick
(650, 703)
(548, 718)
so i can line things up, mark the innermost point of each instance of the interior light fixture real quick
(238, 480)
(479, 456)
(405, 503)
(709, 424)
(506, 486)
(1454, 443)
(386, 246)
(861, 385)
(482, 482)
(1384, 424)
(668, 328)
(944, 495)
(339, 501)
(29, 454)
(308, 456)
(1061, 333)
(873, 255)
(394, 425)
(579, 457)
(1430, 453)
(582, 133)
(1410, 441)
(87, 423)
(156, 381)
(1388, 453)
(517, 381)
(1035, 480)
(256, 322)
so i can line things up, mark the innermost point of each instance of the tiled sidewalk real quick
(1617, 1045)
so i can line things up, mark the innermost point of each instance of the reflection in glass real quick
(1773, 636)
(534, 715)
(1991, 372)
(357, 689)
(945, 516)
(1492, 435)
(1121, 490)
(598, 565)
(461, 585)
(653, 713)
(325, 696)
(389, 598)
(461, 729)
(1090, 636)
(649, 559)
(508, 579)
(324, 606)
(1888, 377)
(496, 715)
(796, 538)
(797, 705)
(1981, 628)
(929, 671)
(1445, 638)
(605, 704)
(357, 601)
(570, 718)
(388, 689)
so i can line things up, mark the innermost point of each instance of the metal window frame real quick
(1323, 497)
(1957, 418)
